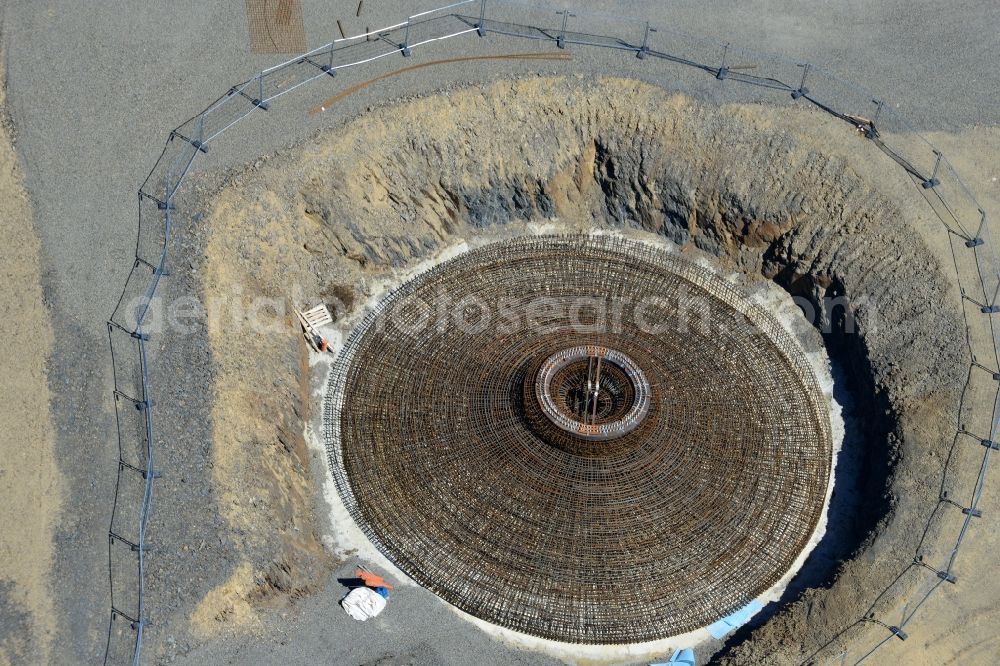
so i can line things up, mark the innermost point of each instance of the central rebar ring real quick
(592, 392)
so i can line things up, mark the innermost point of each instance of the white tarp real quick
(363, 603)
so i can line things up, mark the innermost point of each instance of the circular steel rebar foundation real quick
(446, 426)
(575, 395)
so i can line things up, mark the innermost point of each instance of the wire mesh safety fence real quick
(747, 72)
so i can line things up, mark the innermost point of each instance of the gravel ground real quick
(93, 88)
(415, 630)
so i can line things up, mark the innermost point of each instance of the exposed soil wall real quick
(790, 196)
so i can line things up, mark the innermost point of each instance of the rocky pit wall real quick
(786, 195)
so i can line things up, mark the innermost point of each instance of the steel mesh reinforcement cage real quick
(439, 456)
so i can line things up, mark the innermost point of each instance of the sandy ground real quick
(259, 458)
(30, 484)
(958, 623)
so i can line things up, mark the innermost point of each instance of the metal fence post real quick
(801, 91)
(168, 191)
(406, 39)
(162, 270)
(168, 215)
(933, 180)
(328, 67)
(872, 131)
(561, 39)
(481, 28)
(723, 72)
(201, 129)
(644, 49)
(991, 307)
(259, 101)
(899, 633)
(977, 240)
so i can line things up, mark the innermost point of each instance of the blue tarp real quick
(683, 657)
(732, 622)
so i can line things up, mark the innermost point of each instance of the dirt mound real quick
(790, 196)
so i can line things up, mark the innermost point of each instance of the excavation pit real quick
(789, 198)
